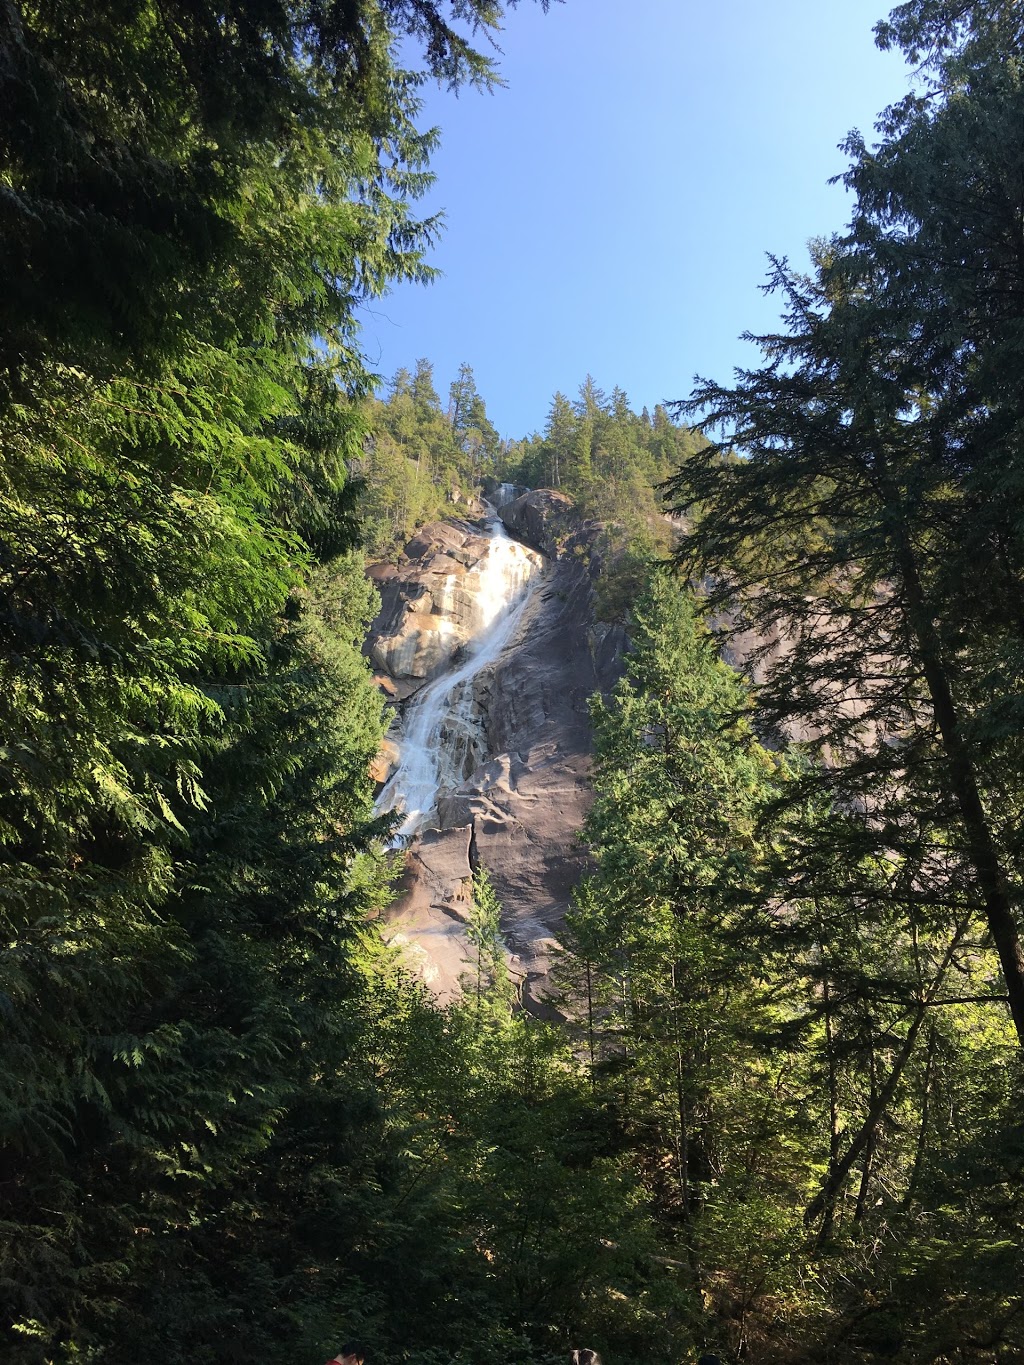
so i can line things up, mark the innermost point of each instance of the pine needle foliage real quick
(856, 524)
(194, 200)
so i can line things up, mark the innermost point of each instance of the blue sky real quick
(611, 210)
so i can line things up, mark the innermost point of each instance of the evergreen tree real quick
(884, 665)
(473, 431)
(559, 439)
(675, 1009)
(590, 413)
(425, 401)
(488, 978)
(420, 460)
(197, 199)
(867, 535)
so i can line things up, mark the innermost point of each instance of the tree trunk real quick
(872, 1140)
(682, 1117)
(922, 1132)
(980, 845)
(590, 1025)
(884, 1096)
(828, 1212)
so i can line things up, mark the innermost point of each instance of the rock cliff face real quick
(430, 604)
(523, 791)
(548, 521)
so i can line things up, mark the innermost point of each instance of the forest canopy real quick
(778, 1114)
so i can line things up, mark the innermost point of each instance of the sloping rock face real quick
(545, 520)
(429, 607)
(519, 809)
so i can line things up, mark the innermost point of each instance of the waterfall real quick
(506, 493)
(442, 733)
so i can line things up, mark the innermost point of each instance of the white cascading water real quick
(440, 728)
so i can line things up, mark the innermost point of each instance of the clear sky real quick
(611, 210)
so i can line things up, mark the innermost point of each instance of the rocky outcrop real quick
(429, 604)
(521, 802)
(542, 518)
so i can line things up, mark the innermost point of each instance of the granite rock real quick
(520, 807)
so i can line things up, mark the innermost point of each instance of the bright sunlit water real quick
(440, 725)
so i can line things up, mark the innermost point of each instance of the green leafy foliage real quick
(799, 1049)
(611, 461)
(784, 1120)
(866, 539)
(674, 1017)
(195, 200)
(519, 1224)
(423, 462)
